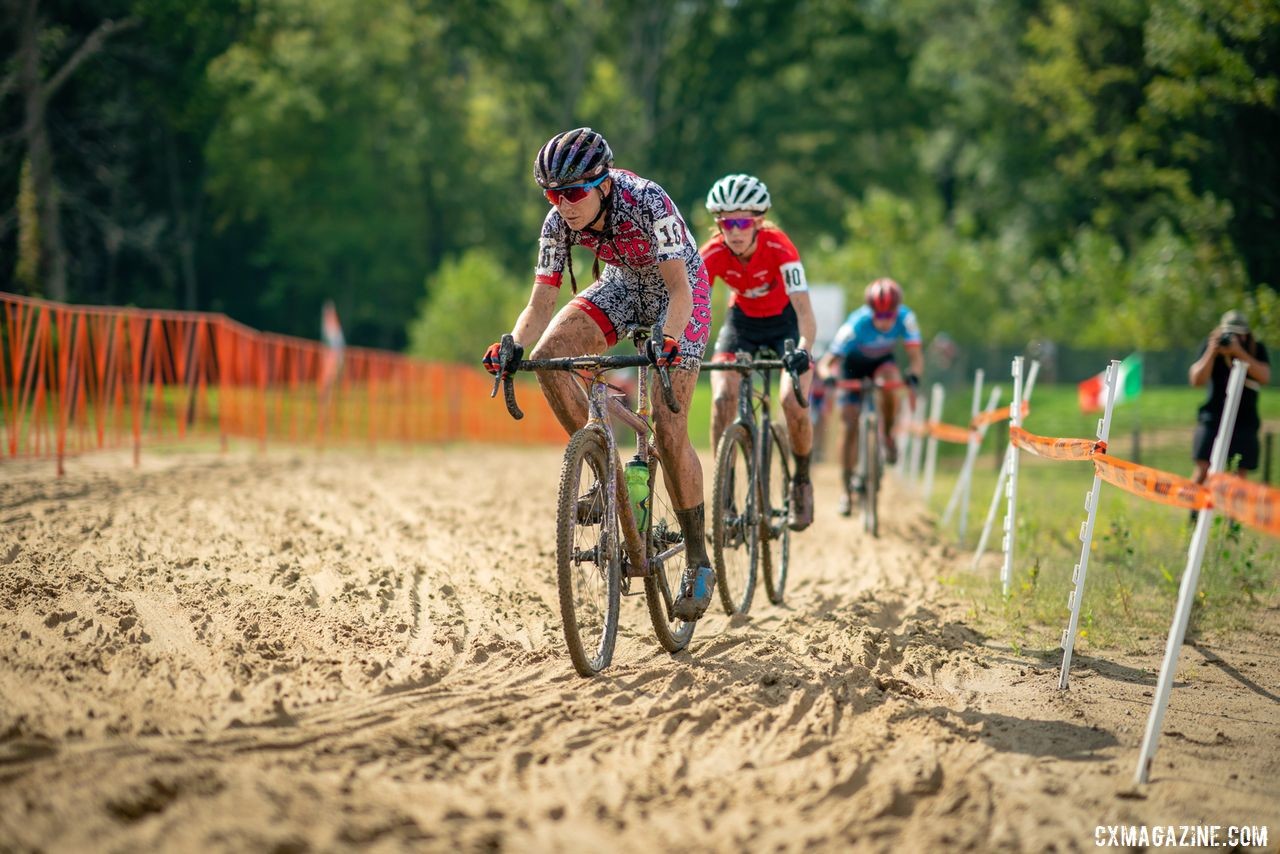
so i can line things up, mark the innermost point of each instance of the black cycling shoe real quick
(801, 515)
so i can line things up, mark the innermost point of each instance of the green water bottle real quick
(637, 476)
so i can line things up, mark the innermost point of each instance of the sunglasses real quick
(889, 315)
(574, 193)
(735, 223)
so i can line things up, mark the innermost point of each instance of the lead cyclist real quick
(652, 274)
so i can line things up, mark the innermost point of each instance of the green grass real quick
(1135, 565)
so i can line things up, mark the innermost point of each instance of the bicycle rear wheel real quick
(734, 529)
(588, 559)
(775, 510)
(662, 584)
(871, 476)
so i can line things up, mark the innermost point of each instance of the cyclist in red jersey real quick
(768, 303)
(652, 274)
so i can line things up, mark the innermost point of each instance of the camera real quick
(1224, 340)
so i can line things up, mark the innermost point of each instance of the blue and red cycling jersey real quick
(859, 336)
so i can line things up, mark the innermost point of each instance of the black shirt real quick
(1211, 409)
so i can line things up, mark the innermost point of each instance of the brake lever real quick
(664, 377)
(789, 347)
(506, 350)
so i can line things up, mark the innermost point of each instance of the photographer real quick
(1231, 340)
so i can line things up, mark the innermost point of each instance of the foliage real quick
(1099, 171)
(462, 300)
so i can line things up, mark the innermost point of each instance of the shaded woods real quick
(1098, 172)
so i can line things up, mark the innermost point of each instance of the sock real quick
(802, 468)
(693, 526)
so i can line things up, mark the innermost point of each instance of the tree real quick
(469, 302)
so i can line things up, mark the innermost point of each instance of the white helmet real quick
(738, 193)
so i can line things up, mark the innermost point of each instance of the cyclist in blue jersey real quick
(863, 349)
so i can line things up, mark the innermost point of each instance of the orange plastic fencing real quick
(961, 435)
(996, 415)
(948, 432)
(82, 378)
(1055, 449)
(1151, 484)
(1254, 504)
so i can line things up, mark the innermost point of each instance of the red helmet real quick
(884, 296)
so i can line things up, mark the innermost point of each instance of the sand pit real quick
(298, 652)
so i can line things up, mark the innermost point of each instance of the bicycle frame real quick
(601, 405)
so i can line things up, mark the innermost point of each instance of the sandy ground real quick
(299, 652)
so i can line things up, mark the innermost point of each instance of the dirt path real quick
(300, 653)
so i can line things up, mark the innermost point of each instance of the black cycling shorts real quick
(858, 367)
(741, 332)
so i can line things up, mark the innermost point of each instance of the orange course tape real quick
(1254, 504)
(1152, 484)
(1000, 414)
(1054, 449)
(948, 432)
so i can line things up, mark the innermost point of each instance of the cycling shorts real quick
(858, 367)
(741, 332)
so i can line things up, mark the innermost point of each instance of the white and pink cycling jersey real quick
(642, 228)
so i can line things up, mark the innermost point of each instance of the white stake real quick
(979, 376)
(1002, 478)
(1086, 532)
(1190, 578)
(960, 494)
(931, 452)
(917, 446)
(1011, 511)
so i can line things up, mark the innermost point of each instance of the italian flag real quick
(1093, 391)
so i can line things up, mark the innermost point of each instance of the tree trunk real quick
(52, 264)
(185, 224)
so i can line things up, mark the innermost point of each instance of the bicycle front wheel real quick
(734, 526)
(588, 558)
(871, 478)
(662, 583)
(775, 511)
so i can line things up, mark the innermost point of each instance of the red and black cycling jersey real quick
(760, 287)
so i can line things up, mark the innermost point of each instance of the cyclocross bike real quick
(870, 455)
(751, 492)
(600, 545)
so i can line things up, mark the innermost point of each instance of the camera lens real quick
(1224, 339)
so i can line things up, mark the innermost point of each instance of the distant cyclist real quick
(768, 303)
(652, 274)
(863, 350)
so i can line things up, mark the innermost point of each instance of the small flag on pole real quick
(1092, 392)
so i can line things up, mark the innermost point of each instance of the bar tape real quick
(1152, 484)
(1055, 449)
